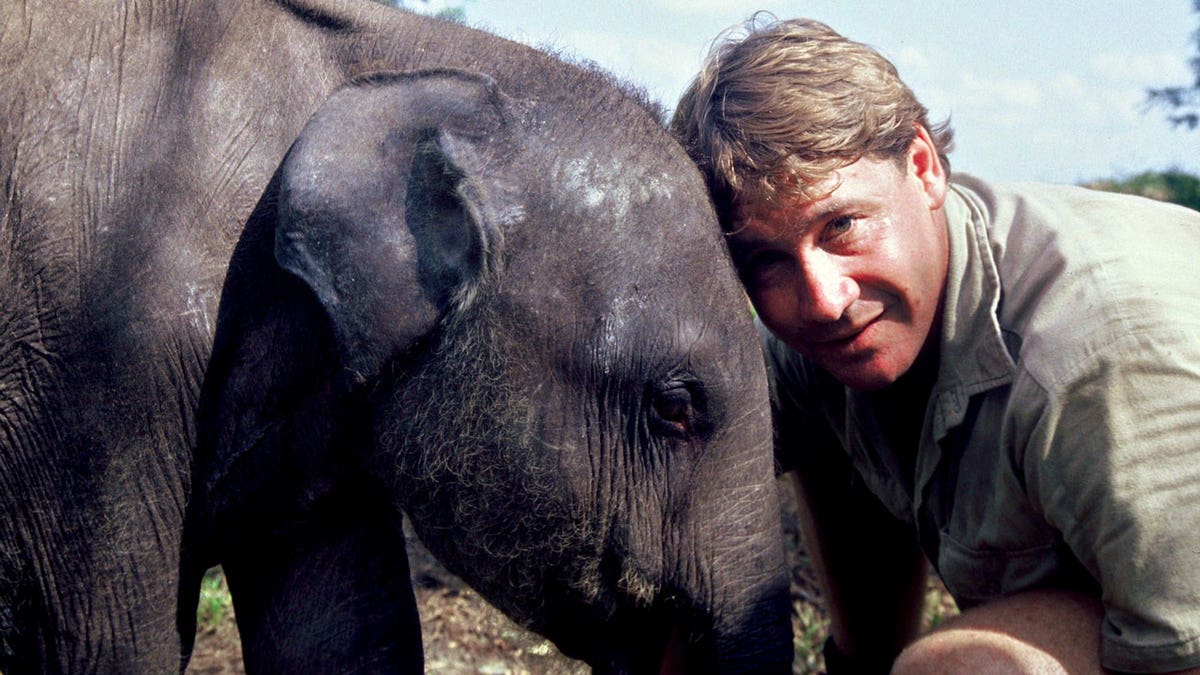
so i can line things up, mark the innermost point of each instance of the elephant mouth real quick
(658, 640)
(674, 657)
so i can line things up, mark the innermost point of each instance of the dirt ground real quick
(463, 635)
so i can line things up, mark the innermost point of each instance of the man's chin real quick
(865, 375)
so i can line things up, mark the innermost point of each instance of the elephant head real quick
(513, 319)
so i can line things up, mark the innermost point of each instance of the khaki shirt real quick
(1061, 443)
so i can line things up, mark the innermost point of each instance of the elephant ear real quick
(384, 220)
(384, 211)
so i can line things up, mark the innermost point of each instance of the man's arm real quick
(871, 571)
(1114, 464)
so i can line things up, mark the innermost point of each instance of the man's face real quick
(853, 280)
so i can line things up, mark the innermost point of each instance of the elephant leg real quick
(335, 600)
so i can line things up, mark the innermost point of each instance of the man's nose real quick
(826, 291)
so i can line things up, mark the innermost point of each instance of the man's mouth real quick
(843, 336)
(842, 332)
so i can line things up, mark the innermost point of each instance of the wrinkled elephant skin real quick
(273, 274)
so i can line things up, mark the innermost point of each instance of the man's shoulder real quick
(1086, 273)
(1024, 220)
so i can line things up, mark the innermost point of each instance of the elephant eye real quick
(677, 409)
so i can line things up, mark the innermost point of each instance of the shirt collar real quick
(973, 356)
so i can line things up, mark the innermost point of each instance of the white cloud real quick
(1142, 69)
(1004, 92)
(915, 60)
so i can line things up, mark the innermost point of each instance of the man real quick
(1004, 380)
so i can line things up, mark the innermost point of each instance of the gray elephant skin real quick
(275, 273)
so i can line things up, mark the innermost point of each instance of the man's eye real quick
(838, 226)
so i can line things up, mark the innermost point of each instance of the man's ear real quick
(926, 165)
(381, 210)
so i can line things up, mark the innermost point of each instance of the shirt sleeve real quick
(1114, 461)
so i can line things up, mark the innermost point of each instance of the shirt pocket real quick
(978, 575)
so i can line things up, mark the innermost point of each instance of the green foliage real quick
(939, 607)
(1172, 186)
(809, 628)
(1182, 101)
(215, 605)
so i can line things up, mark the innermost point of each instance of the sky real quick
(1046, 90)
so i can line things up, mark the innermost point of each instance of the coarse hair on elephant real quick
(279, 273)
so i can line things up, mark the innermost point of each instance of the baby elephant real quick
(457, 279)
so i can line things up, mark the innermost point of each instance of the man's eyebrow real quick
(795, 227)
(833, 207)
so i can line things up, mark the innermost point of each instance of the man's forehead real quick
(789, 194)
(865, 180)
(788, 215)
(765, 225)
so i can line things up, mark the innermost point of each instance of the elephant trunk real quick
(725, 609)
(751, 628)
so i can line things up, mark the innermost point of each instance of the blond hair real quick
(775, 112)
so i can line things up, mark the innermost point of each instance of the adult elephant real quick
(458, 278)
